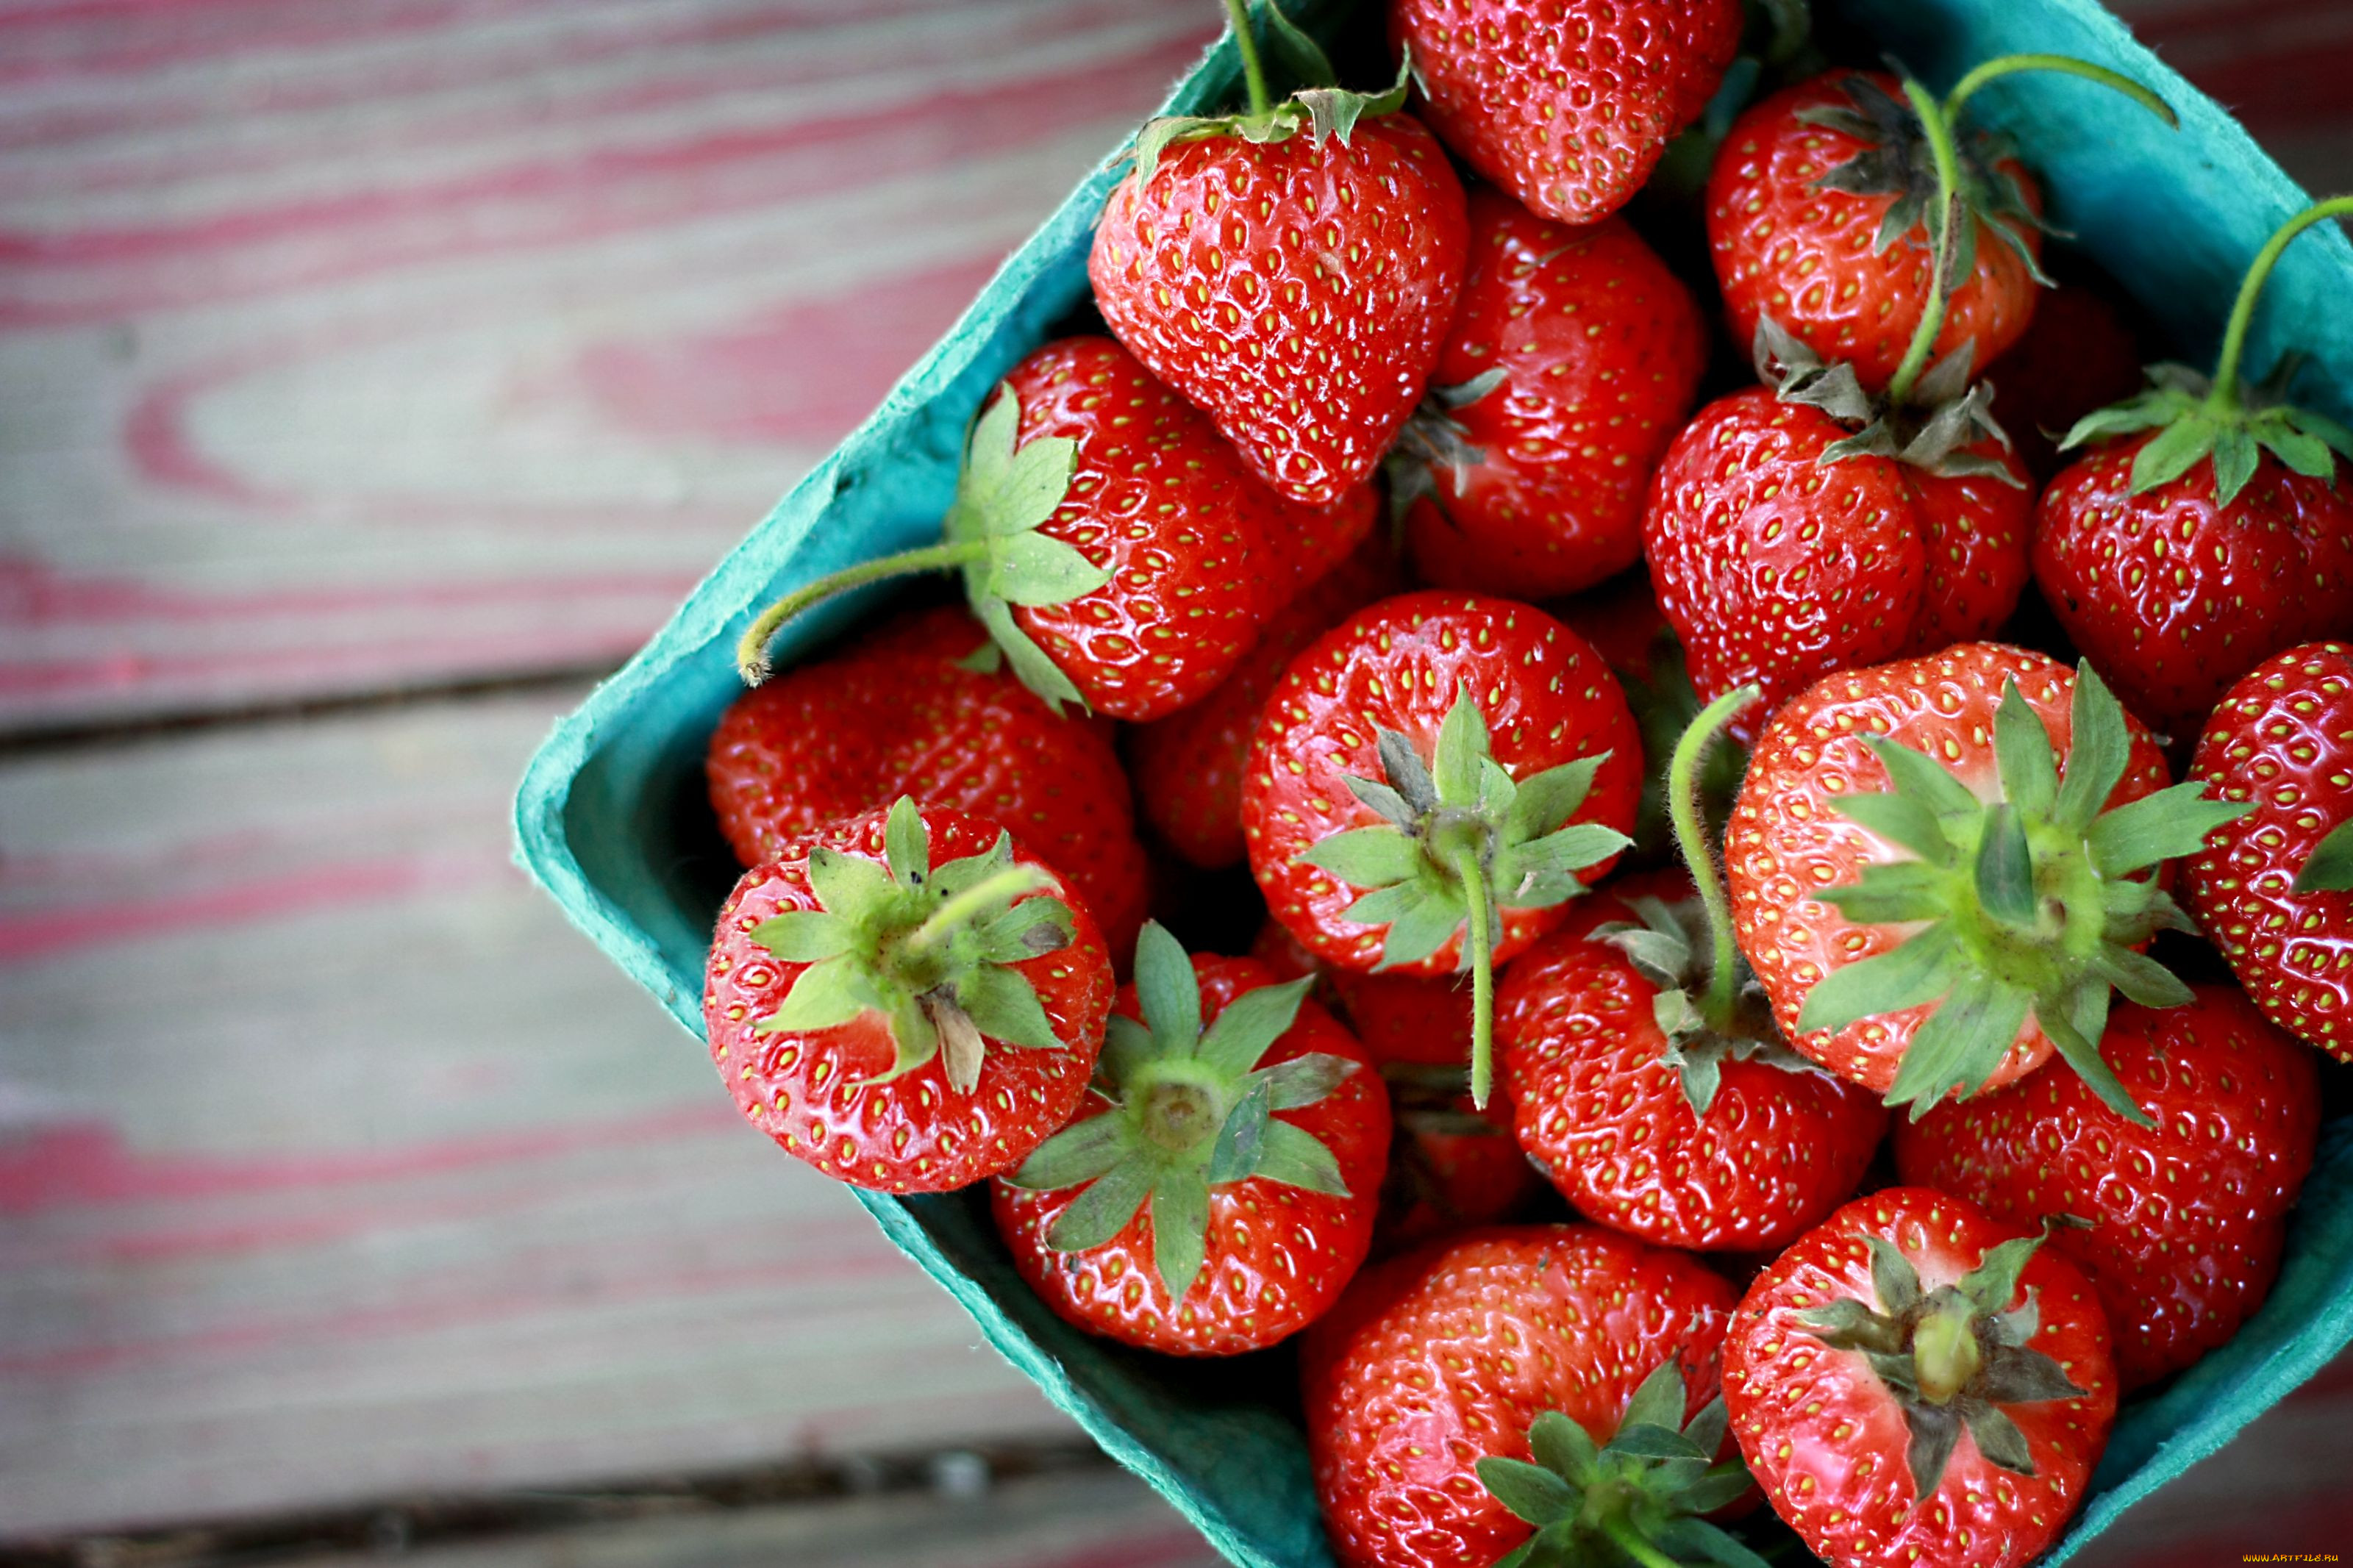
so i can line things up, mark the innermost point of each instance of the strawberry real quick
(905, 1000)
(1452, 1165)
(1114, 547)
(1827, 211)
(898, 714)
(2215, 534)
(1573, 356)
(1443, 1373)
(2275, 888)
(1188, 767)
(1217, 1191)
(1917, 1385)
(1568, 104)
(1290, 268)
(1648, 1082)
(1794, 533)
(1929, 904)
(1433, 781)
(2186, 1216)
(2078, 354)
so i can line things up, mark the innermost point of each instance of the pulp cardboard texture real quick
(612, 820)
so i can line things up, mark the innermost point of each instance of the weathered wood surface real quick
(353, 346)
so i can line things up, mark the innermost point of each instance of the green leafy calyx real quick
(1190, 1110)
(1641, 1497)
(932, 949)
(2193, 425)
(2329, 867)
(1952, 1357)
(1433, 439)
(2033, 903)
(1938, 428)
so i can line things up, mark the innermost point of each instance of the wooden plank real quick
(334, 1166)
(387, 342)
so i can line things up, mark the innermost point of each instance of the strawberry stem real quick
(2224, 396)
(752, 652)
(2009, 64)
(999, 887)
(1238, 15)
(1478, 945)
(1953, 210)
(1629, 1540)
(1699, 858)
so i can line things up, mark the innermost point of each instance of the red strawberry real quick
(1703, 1137)
(1918, 1385)
(1217, 1192)
(2186, 1217)
(1929, 905)
(904, 1000)
(1443, 1373)
(898, 714)
(1433, 781)
(1573, 356)
(1568, 104)
(1114, 547)
(2213, 537)
(1291, 269)
(1785, 544)
(2077, 355)
(2275, 888)
(1188, 766)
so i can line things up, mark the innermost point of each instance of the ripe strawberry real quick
(1918, 1385)
(1188, 767)
(904, 1000)
(1444, 1372)
(1451, 1164)
(1928, 903)
(898, 714)
(2275, 888)
(2187, 1216)
(2077, 355)
(1568, 104)
(1291, 269)
(1118, 553)
(1217, 1191)
(1786, 543)
(1573, 357)
(1432, 780)
(2211, 538)
(1694, 1136)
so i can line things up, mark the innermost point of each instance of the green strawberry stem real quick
(1628, 1540)
(1237, 17)
(1691, 838)
(752, 652)
(2006, 64)
(998, 887)
(1479, 943)
(2224, 396)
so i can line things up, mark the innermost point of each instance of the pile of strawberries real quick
(1656, 895)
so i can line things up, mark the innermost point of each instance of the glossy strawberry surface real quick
(1828, 1443)
(1445, 1355)
(1400, 664)
(1786, 246)
(1277, 1257)
(1600, 349)
(2173, 597)
(1297, 291)
(2282, 739)
(1568, 104)
(1786, 839)
(1776, 568)
(810, 1091)
(896, 713)
(2187, 1216)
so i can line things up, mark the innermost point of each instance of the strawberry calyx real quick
(2198, 418)
(1642, 1495)
(1321, 109)
(2329, 867)
(1191, 1110)
(2035, 902)
(1462, 840)
(932, 949)
(1952, 1357)
(1433, 438)
(1936, 428)
(1003, 493)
